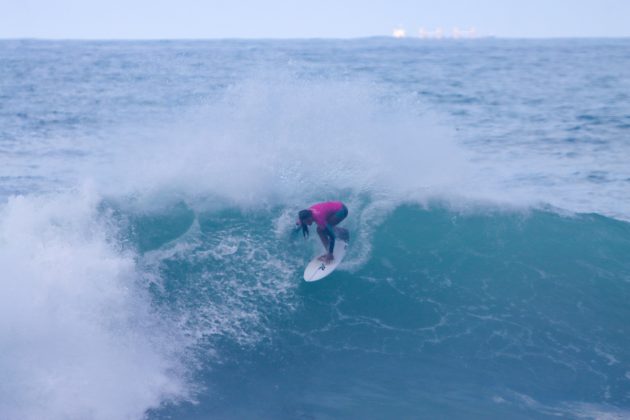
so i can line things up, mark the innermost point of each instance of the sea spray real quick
(80, 338)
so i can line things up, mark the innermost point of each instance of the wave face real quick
(490, 313)
(150, 268)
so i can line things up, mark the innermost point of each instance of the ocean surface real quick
(149, 267)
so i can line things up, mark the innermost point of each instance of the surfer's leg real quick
(323, 237)
(336, 218)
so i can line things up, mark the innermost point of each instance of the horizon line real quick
(306, 38)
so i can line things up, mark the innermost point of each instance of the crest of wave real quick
(282, 139)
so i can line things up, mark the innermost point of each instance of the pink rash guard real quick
(321, 211)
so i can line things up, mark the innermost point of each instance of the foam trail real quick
(79, 337)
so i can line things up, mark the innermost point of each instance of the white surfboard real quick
(317, 270)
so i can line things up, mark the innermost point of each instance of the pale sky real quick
(162, 19)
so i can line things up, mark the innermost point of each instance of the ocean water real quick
(149, 267)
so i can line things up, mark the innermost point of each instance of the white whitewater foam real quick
(79, 338)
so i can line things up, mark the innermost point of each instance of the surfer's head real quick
(305, 218)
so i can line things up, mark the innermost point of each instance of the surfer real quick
(327, 216)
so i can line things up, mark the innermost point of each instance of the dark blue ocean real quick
(148, 263)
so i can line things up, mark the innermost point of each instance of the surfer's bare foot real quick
(326, 258)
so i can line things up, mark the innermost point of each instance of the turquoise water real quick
(150, 269)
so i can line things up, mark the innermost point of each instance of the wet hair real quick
(303, 215)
